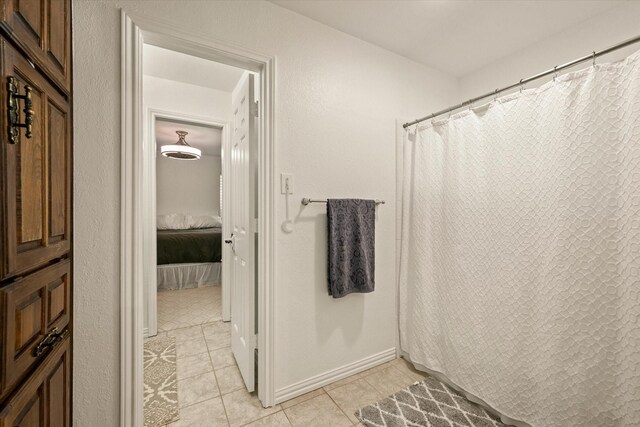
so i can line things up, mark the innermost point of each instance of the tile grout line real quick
(206, 400)
(194, 404)
(224, 407)
(338, 406)
(261, 418)
(287, 416)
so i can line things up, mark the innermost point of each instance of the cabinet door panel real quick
(31, 308)
(57, 33)
(27, 19)
(30, 162)
(44, 400)
(42, 28)
(58, 171)
(37, 176)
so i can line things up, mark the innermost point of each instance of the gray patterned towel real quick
(352, 235)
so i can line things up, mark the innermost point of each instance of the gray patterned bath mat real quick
(427, 403)
(160, 382)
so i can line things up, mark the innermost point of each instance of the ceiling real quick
(180, 67)
(457, 37)
(207, 139)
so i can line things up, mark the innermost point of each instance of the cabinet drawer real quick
(31, 308)
(44, 399)
(43, 29)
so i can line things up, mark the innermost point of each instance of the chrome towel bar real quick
(306, 201)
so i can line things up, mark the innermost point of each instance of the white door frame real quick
(135, 31)
(150, 243)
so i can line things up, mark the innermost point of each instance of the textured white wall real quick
(609, 28)
(182, 98)
(337, 101)
(191, 187)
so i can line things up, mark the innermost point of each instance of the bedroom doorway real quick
(136, 190)
(185, 253)
(200, 215)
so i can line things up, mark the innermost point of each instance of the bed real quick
(189, 258)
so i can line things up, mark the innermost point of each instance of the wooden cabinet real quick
(44, 400)
(43, 29)
(36, 171)
(36, 314)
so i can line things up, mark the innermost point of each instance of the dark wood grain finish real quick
(33, 306)
(36, 216)
(44, 400)
(29, 14)
(36, 175)
(42, 29)
(58, 171)
(57, 33)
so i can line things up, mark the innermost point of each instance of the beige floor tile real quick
(188, 307)
(185, 334)
(319, 411)
(362, 374)
(160, 334)
(289, 403)
(222, 358)
(389, 381)
(217, 341)
(279, 419)
(191, 347)
(209, 413)
(243, 407)
(197, 389)
(229, 379)
(355, 395)
(343, 381)
(191, 366)
(407, 368)
(378, 368)
(216, 328)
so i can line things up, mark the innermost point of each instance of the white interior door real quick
(243, 219)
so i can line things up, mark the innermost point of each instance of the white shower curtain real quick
(520, 253)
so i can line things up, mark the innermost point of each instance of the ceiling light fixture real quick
(181, 150)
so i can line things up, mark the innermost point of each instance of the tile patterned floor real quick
(187, 307)
(211, 392)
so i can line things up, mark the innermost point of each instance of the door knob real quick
(231, 241)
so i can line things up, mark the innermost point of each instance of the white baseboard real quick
(145, 332)
(315, 382)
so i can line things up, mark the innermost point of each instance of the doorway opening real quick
(203, 248)
(211, 303)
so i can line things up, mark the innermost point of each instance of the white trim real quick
(137, 30)
(225, 213)
(313, 383)
(149, 215)
(131, 372)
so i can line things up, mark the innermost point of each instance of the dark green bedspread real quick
(182, 246)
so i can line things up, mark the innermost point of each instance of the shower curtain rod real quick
(522, 82)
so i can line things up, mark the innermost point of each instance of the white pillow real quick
(204, 221)
(175, 221)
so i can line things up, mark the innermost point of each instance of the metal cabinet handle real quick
(49, 340)
(12, 110)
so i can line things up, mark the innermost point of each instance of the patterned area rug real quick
(427, 403)
(160, 382)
